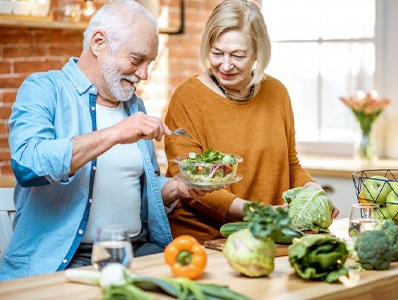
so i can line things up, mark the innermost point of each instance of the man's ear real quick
(98, 42)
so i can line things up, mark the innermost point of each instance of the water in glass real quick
(112, 245)
(363, 217)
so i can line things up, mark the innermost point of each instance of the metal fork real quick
(180, 131)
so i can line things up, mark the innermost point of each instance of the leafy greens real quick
(210, 156)
(318, 257)
(309, 208)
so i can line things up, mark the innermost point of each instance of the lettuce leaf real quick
(318, 257)
(309, 208)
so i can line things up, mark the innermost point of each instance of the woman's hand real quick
(335, 211)
(187, 192)
(313, 184)
(174, 190)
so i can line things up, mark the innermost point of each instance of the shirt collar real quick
(76, 76)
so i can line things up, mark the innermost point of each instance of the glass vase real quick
(365, 148)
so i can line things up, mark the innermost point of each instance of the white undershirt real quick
(117, 188)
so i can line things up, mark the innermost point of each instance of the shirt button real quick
(65, 261)
(81, 90)
(90, 200)
(94, 89)
(80, 231)
(94, 168)
(92, 107)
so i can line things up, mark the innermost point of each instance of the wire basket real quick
(379, 184)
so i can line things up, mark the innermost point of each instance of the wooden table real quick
(281, 284)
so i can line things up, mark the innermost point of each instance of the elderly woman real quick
(233, 107)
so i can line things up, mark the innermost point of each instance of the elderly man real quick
(82, 151)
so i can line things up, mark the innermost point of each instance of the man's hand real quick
(140, 126)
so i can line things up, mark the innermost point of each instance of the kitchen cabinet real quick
(341, 191)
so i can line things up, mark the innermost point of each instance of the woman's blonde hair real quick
(243, 16)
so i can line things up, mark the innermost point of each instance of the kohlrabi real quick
(252, 251)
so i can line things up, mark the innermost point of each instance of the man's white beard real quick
(114, 82)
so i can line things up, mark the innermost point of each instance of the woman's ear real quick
(97, 42)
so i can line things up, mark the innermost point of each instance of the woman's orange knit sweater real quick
(260, 130)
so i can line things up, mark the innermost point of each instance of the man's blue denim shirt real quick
(52, 208)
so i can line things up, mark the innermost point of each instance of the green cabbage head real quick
(309, 208)
(248, 255)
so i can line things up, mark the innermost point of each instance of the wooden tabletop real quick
(281, 284)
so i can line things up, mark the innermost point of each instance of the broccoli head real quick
(374, 250)
(391, 230)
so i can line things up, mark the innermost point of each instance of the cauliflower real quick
(374, 250)
(391, 230)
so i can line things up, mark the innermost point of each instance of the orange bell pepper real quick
(363, 200)
(186, 257)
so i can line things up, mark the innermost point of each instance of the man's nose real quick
(142, 72)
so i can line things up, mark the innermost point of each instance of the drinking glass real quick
(112, 245)
(363, 217)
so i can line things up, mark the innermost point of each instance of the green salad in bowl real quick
(208, 170)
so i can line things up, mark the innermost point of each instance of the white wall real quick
(387, 72)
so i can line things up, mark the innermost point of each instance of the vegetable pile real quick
(319, 257)
(378, 248)
(322, 257)
(251, 251)
(284, 236)
(309, 209)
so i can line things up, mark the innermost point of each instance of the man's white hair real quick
(114, 18)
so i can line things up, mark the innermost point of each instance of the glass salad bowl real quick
(208, 170)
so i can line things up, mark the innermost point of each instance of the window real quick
(321, 50)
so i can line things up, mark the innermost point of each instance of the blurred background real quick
(322, 50)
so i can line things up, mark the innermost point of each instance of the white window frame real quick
(385, 81)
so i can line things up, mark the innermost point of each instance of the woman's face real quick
(231, 60)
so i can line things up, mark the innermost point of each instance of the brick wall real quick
(26, 50)
(22, 52)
